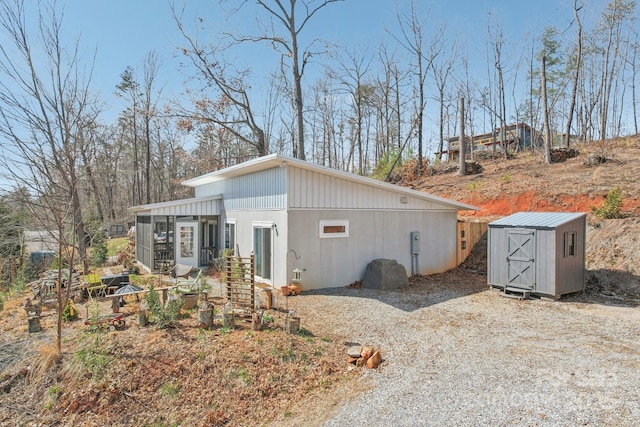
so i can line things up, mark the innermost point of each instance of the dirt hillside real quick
(578, 183)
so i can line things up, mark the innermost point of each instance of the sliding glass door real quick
(262, 249)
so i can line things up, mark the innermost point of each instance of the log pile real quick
(562, 154)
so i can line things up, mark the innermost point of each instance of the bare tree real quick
(617, 13)
(293, 22)
(46, 108)
(441, 70)
(230, 106)
(463, 165)
(576, 72)
(413, 39)
(150, 72)
(545, 106)
(352, 79)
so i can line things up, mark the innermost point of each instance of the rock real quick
(375, 360)
(367, 351)
(352, 360)
(385, 274)
(355, 351)
(360, 362)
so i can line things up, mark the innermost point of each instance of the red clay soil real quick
(532, 201)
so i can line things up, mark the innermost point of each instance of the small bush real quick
(610, 208)
(1, 302)
(163, 317)
(98, 250)
(70, 312)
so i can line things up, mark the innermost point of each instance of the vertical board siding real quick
(314, 190)
(556, 274)
(473, 233)
(260, 190)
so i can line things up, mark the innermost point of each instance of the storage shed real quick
(540, 253)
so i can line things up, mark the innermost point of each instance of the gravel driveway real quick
(463, 355)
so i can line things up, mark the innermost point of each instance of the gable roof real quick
(277, 160)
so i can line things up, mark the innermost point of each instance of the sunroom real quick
(180, 232)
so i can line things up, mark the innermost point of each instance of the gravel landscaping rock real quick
(456, 353)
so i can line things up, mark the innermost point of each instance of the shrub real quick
(163, 317)
(70, 312)
(98, 250)
(610, 208)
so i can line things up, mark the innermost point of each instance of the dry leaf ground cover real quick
(454, 352)
(145, 376)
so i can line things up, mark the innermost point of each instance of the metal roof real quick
(537, 219)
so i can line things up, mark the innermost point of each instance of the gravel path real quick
(467, 356)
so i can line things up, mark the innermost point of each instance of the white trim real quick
(333, 222)
(262, 224)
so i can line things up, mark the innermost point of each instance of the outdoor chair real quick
(189, 285)
(94, 286)
(180, 270)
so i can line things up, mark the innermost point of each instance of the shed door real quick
(520, 258)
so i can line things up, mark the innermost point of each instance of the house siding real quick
(244, 238)
(260, 190)
(332, 262)
(316, 190)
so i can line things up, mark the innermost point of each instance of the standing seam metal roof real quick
(537, 219)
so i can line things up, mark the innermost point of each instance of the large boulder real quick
(385, 274)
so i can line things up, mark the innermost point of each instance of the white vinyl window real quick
(230, 234)
(334, 228)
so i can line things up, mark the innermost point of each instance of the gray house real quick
(293, 214)
(538, 252)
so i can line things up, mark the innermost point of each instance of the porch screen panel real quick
(144, 234)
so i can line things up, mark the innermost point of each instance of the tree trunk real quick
(576, 75)
(547, 130)
(463, 164)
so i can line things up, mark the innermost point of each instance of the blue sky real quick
(124, 31)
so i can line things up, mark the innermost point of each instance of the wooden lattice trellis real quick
(240, 281)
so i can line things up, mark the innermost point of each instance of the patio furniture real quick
(189, 285)
(180, 270)
(94, 286)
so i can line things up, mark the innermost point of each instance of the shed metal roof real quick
(537, 219)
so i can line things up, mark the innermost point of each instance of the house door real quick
(187, 243)
(262, 250)
(520, 258)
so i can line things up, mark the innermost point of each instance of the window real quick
(230, 234)
(569, 244)
(334, 228)
(262, 248)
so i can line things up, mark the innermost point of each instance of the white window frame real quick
(268, 225)
(230, 221)
(331, 223)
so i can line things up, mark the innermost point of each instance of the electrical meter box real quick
(415, 242)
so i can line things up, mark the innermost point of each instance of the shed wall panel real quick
(556, 273)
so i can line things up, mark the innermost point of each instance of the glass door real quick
(262, 251)
(186, 243)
